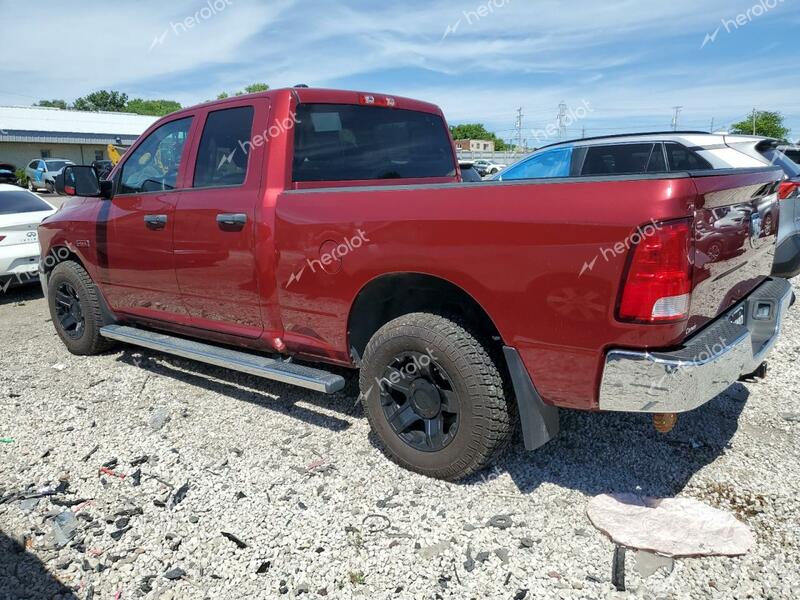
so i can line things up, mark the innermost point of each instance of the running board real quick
(253, 364)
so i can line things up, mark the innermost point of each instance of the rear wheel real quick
(75, 309)
(31, 187)
(434, 397)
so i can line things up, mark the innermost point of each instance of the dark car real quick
(8, 173)
(468, 172)
(102, 168)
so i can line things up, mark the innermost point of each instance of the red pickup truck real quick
(272, 232)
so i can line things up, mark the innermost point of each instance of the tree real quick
(155, 108)
(52, 103)
(476, 131)
(250, 89)
(102, 100)
(767, 124)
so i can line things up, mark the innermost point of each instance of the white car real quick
(487, 167)
(20, 214)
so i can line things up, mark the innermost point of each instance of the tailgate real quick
(736, 224)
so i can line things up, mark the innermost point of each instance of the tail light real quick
(658, 282)
(789, 189)
(2, 237)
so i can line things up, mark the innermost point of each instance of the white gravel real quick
(294, 476)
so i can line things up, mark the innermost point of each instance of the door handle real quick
(155, 222)
(232, 222)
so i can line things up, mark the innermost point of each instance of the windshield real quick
(21, 201)
(56, 165)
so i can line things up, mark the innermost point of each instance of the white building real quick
(28, 132)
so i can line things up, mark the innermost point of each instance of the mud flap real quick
(539, 421)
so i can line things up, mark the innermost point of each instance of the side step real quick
(260, 366)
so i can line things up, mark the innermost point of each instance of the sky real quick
(618, 65)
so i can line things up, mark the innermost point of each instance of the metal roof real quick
(73, 126)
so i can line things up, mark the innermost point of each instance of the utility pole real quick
(754, 121)
(562, 125)
(583, 132)
(712, 125)
(519, 129)
(677, 110)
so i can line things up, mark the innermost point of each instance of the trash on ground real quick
(648, 563)
(65, 526)
(671, 526)
(6, 440)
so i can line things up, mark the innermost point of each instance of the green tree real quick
(155, 108)
(767, 124)
(102, 100)
(52, 103)
(477, 131)
(250, 89)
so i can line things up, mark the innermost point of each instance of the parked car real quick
(8, 173)
(349, 241)
(487, 167)
(468, 172)
(20, 214)
(792, 151)
(41, 173)
(658, 153)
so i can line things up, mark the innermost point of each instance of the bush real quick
(22, 178)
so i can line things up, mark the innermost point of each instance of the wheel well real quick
(398, 294)
(59, 254)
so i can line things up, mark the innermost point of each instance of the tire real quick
(475, 419)
(49, 188)
(70, 283)
(31, 187)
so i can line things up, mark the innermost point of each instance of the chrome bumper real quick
(679, 381)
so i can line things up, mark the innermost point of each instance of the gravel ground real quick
(309, 507)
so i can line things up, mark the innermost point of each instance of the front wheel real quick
(434, 397)
(31, 187)
(75, 309)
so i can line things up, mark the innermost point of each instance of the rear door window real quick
(222, 155)
(550, 164)
(683, 159)
(618, 159)
(343, 142)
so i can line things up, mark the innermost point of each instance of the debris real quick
(791, 417)
(482, 556)
(671, 527)
(502, 554)
(59, 366)
(159, 418)
(65, 526)
(239, 543)
(469, 564)
(526, 542)
(111, 464)
(90, 453)
(264, 567)
(648, 563)
(46, 453)
(618, 568)
(29, 504)
(521, 594)
(500, 522)
(107, 471)
(6, 440)
(174, 574)
(122, 522)
(377, 528)
(136, 477)
(316, 464)
(117, 535)
(179, 495)
(139, 460)
(554, 574)
(435, 550)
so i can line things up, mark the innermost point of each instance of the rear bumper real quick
(682, 380)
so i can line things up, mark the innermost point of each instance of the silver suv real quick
(667, 152)
(42, 172)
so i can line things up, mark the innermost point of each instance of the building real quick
(28, 132)
(475, 145)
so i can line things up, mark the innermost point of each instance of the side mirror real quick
(80, 180)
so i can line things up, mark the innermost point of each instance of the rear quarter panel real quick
(544, 259)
